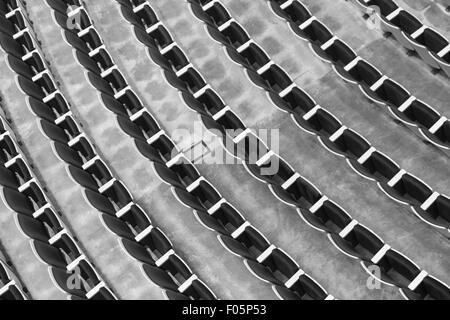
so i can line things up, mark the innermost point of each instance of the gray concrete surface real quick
(225, 273)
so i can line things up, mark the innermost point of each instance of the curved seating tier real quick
(263, 259)
(118, 211)
(399, 185)
(352, 238)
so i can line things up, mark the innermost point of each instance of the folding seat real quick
(168, 176)
(428, 289)
(75, 42)
(160, 277)
(147, 15)
(145, 122)
(277, 268)
(299, 101)
(285, 195)
(196, 105)
(188, 199)
(365, 73)
(318, 35)
(134, 19)
(68, 281)
(235, 36)
(422, 114)
(100, 202)
(88, 281)
(12, 47)
(187, 173)
(165, 147)
(277, 79)
(176, 268)
(197, 10)
(74, 156)
(437, 212)
(226, 217)
(152, 46)
(18, 202)
(341, 55)
(161, 36)
(235, 247)
(49, 254)
(156, 243)
(149, 152)
(117, 226)
(103, 294)
(199, 291)
(193, 80)
(297, 13)
(43, 80)
(408, 189)
(100, 84)
(98, 54)
(386, 6)
(275, 171)
(210, 222)
(58, 5)
(128, 98)
(329, 217)
(30, 88)
(444, 63)
(350, 144)
(284, 293)
(54, 132)
(405, 26)
(9, 150)
(86, 62)
(8, 179)
(132, 129)
(428, 42)
(12, 293)
(4, 7)
(61, 18)
(34, 228)
(170, 75)
(115, 78)
(113, 105)
(255, 57)
(137, 251)
(85, 179)
(249, 243)
(396, 269)
(357, 242)
(378, 166)
(303, 192)
(41, 110)
(231, 122)
(7, 27)
(304, 288)
(392, 93)
(135, 217)
(176, 58)
(309, 289)
(217, 14)
(117, 193)
(324, 123)
(206, 194)
(4, 277)
(20, 67)
(89, 35)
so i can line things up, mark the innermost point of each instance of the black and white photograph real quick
(226, 155)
